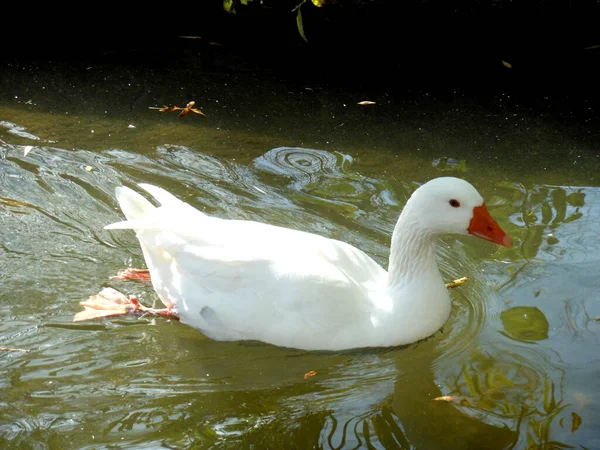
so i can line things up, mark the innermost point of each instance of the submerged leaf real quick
(501, 380)
(549, 399)
(15, 203)
(471, 388)
(507, 64)
(576, 422)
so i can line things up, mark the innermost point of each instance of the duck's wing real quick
(178, 228)
(197, 261)
(272, 285)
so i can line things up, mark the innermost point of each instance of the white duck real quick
(239, 280)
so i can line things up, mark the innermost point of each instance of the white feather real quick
(237, 280)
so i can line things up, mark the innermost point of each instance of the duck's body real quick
(240, 280)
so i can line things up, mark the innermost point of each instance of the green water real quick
(518, 356)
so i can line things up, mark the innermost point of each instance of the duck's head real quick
(451, 205)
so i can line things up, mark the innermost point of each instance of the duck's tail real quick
(140, 213)
(156, 228)
(133, 205)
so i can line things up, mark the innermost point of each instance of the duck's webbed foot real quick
(132, 274)
(110, 302)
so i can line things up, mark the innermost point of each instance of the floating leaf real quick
(89, 168)
(463, 401)
(184, 111)
(507, 64)
(165, 108)
(15, 203)
(457, 282)
(576, 422)
(319, 3)
(366, 102)
(309, 374)
(525, 323)
(27, 149)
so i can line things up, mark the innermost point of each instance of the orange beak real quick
(484, 226)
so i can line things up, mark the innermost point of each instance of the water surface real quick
(517, 362)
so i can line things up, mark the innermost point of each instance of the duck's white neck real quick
(417, 302)
(412, 252)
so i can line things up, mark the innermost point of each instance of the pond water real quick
(517, 363)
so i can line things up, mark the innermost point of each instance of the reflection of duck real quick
(238, 280)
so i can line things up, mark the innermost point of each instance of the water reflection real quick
(153, 384)
(549, 219)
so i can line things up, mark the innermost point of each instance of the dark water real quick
(518, 358)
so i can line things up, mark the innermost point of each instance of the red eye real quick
(454, 203)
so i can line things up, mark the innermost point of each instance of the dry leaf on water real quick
(463, 401)
(457, 282)
(307, 375)
(8, 349)
(184, 111)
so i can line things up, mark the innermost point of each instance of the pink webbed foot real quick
(133, 274)
(110, 302)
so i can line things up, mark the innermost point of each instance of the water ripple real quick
(160, 383)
